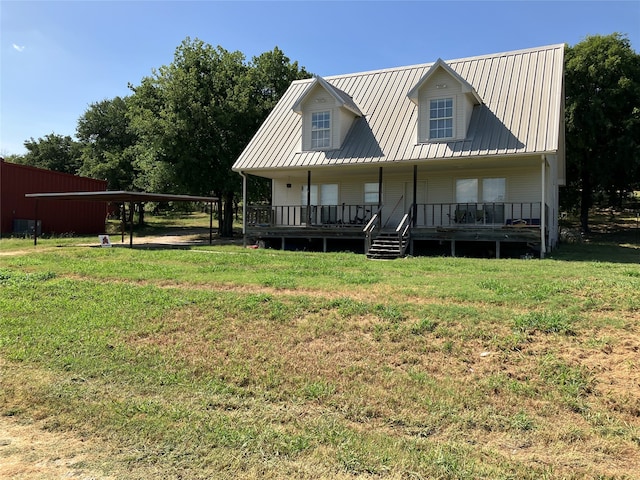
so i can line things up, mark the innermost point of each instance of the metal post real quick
(210, 223)
(131, 212)
(543, 213)
(123, 219)
(415, 194)
(379, 188)
(308, 198)
(35, 228)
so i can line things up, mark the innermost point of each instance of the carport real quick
(122, 197)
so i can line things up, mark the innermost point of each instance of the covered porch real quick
(440, 202)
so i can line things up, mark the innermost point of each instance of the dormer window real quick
(320, 130)
(445, 104)
(327, 116)
(441, 118)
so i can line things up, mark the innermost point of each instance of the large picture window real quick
(441, 118)
(493, 190)
(467, 190)
(320, 130)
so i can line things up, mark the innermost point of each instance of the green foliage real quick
(53, 152)
(602, 84)
(194, 117)
(108, 144)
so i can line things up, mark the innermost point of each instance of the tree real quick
(194, 117)
(53, 152)
(602, 85)
(108, 143)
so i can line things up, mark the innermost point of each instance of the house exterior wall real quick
(442, 85)
(523, 185)
(55, 216)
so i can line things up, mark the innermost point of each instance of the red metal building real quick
(17, 213)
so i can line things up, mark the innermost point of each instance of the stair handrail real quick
(402, 229)
(370, 227)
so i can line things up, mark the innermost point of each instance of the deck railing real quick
(478, 214)
(356, 215)
(426, 215)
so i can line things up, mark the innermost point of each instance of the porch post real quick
(379, 188)
(244, 208)
(380, 198)
(543, 213)
(415, 194)
(308, 198)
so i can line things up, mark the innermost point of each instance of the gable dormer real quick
(327, 115)
(445, 102)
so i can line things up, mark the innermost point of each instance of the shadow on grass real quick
(611, 246)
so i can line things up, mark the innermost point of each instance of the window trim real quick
(431, 138)
(326, 131)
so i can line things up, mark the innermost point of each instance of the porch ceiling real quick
(457, 165)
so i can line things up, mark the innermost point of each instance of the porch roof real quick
(522, 114)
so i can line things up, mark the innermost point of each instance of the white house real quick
(449, 152)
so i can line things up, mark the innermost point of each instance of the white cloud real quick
(19, 48)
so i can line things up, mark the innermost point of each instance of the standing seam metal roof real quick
(521, 114)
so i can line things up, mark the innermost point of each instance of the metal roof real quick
(521, 113)
(119, 197)
(342, 98)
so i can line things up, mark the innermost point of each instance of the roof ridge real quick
(428, 64)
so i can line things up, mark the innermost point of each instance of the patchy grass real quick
(223, 362)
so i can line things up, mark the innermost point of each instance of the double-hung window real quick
(371, 192)
(441, 118)
(320, 130)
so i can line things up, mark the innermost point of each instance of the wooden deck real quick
(327, 236)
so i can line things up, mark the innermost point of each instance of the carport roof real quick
(120, 196)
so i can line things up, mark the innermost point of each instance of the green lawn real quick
(225, 362)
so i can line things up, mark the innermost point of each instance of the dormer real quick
(445, 102)
(327, 115)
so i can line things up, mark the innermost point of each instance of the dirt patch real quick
(28, 452)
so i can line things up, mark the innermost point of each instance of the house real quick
(20, 216)
(455, 153)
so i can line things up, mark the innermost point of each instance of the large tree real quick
(195, 116)
(108, 143)
(602, 119)
(53, 152)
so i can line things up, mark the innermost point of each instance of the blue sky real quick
(57, 58)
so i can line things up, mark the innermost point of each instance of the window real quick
(314, 194)
(441, 118)
(326, 194)
(320, 130)
(329, 194)
(493, 190)
(371, 192)
(467, 190)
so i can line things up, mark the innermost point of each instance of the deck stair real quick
(388, 246)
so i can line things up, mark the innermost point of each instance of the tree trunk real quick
(585, 195)
(141, 214)
(226, 215)
(131, 212)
